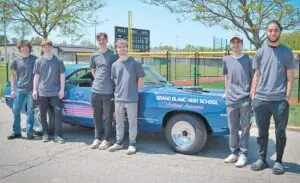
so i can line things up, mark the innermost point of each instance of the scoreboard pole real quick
(129, 31)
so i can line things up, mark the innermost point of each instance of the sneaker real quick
(45, 138)
(59, 139)
(242, 161)
(29, 136)
(95, 144)
(231, 158)
(14, 136)
(115, 147)
(131, 150)
(104, 145)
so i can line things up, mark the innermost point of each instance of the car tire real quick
(186, 133)
(37, 127)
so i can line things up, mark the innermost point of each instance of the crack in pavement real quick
(32, 166)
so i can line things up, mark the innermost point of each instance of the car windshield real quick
(153, 78)
(83, 78)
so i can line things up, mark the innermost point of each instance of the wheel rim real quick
(37, 120)
(183, 134)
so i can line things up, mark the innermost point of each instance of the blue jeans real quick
(21, 97)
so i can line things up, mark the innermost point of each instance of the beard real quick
(274, 40)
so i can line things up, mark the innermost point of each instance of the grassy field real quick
(294, 115)
(2, 78)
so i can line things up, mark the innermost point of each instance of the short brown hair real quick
(101, 34)
(121, 41)
(24, 43)
(46, 42)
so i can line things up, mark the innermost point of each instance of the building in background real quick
(65, 52)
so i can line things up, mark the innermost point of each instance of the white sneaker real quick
(131, 150)
(104, 145)
(115, 147)
(95, 144)
(242, 161)
(231, 158)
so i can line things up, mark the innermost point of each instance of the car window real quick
(79, 73)
(153, 78)
(81, 77)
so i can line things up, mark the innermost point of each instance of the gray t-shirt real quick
(102, 62)
(126, 74)
(273, 63)
(239, 72)
(24, 68)
(49, 71)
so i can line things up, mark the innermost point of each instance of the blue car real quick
(186, 115)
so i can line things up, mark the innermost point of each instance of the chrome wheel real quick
(183, 134)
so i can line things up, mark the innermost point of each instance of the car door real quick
(78, 109)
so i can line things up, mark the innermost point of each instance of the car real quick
(186, 115)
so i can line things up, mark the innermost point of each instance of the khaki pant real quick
(131, 109)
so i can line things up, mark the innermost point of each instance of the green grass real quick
(215, 85)
(2, 78)
(294, 115)
(186, 72)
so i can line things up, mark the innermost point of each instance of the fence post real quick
(168, 66)
(142, 60)
(299, 78)
(6, 65)
(76, 59)
(195, 70)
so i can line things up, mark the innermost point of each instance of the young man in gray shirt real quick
(271, 90)
(48, 88)
(21, 89)
(126, 73)
(102, 91)
(238, 74)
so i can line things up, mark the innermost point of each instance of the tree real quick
(2, 39)
(87, 43)
(292, 40)
(247, 16)
(44, 16)
(21, 30)
(36, 40)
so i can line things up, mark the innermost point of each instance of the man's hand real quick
(252, 94)
(61, 94)
(34, 94)
(287, 98)
(13, 94)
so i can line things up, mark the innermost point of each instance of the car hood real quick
(186, 90)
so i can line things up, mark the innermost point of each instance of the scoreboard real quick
(140, 38)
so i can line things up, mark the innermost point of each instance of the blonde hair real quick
(121, 41)
(46, 42)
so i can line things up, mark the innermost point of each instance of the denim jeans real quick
(21, 97)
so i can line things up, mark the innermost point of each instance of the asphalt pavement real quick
(37, 162)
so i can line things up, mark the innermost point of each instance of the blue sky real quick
(163, 26)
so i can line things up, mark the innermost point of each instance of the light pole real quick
(5, 39)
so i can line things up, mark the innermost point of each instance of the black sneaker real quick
(14, 136)
(59, 139)
(45, 138)
(29, 136)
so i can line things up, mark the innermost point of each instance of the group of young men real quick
(262, 84)
(114, 89)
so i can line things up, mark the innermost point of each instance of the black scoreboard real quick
(140, 38)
